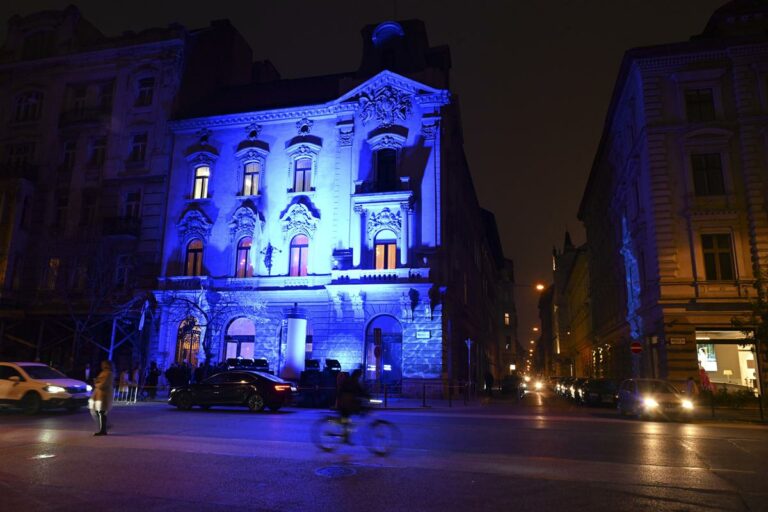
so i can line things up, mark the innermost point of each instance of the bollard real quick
(423, 395)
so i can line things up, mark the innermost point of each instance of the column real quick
(296, 344)
(405, 235)
(358, 235)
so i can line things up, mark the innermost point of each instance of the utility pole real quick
(468, 342)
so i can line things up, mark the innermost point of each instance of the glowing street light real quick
(532, 342)
(535, 329)
(540, 287)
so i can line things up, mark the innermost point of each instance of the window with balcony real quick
(29, 107)
(718, 257)
(200, 187)
(299, 255)
(145, 89)
(699, 105)
(138, 148)
(193, 264)
(251, 175)
(707, 175)
(386, 169)
(244, 265)
(385, 250)
(302, 175)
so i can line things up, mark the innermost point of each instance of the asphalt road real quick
(542, 454)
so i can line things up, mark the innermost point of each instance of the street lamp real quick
(539, 287)
(535, 329)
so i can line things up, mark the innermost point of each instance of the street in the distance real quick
(541, 453)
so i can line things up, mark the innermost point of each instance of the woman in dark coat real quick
(103, 391)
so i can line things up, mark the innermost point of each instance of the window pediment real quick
(194, 224)
(392, 137)
(300, 216)
(246, 221)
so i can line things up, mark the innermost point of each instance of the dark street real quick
(541, 454)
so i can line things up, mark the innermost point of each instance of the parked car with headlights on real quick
(653, 398)
(600, 392)
(35, 386)
(252, 389)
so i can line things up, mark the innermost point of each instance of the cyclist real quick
(351, 395)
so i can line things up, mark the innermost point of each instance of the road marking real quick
(545, 468)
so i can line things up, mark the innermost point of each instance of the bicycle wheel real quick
(382, 437)
(328, 433)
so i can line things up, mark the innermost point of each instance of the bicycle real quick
(380, 437)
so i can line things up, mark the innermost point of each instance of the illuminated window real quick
(506, 319)
(244, 265)
(29, 106)
(718, 257)
(385, 248)
(138, 147)
(144, 92)
(188, 342)
(202, 174)
(193, 266)
(707, 175)
(251, 179)
(299, 255)
(302, 176)
(699, 105)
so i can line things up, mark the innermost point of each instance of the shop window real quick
(202, 175)
(385, 250)
(299, 255)
(251, 174)
(707, 174)
(699, 105)
(193, 265)
(718, 257)
(244, 265)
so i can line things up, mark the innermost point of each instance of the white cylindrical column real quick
(296, 345)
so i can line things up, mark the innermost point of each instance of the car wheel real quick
(31, 403)
(184, 402)
(255, 403)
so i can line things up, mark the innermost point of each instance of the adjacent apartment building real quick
(675, 206)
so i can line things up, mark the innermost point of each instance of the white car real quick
(34, 386)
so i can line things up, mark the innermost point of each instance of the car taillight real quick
(282, 387)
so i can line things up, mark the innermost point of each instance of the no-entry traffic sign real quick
(636, 347)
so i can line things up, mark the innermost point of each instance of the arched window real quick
(251, 174)
(202, 174)
(193, 266)
(239, 340)
(29, 105)
(244, 265)
(302, 175)
(188, 342)
(385, 247)
(299, 255)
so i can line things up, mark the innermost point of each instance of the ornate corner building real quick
(331, 217)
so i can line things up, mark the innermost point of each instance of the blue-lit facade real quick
(326, 212)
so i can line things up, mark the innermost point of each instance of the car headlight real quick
(55, 389)
(687, 404)
(539, 385)
(650, 403)
(88, 388)
(523, 385)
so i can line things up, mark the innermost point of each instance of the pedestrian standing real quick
(153, 377)
(101, 401)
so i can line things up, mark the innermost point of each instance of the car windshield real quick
(42, 372)
(655, 386)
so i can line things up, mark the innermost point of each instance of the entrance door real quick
(384, 353)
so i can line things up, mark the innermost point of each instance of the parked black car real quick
(601, 392)
(252, 389)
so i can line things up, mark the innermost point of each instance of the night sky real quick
(533, 78)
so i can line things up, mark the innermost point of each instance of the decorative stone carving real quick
(385, 219)
(346, 137)
(336, 298)
(298, 219)
(386, 106)
(387, 142)
(203, 134)
(194, 224)
(304, 126)
(243, 223)
(358, 300)
(429, 131)
(405, 308)
(252, 131)
(201, 158)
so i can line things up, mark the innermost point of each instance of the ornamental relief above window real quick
(193, 224)
(386, 106)
(246, 221)
(298, 219)
(385, 219)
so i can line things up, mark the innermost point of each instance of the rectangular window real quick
(28, 107)
(98, 152)
(20, 155)
(718, 257)
(88, 208)
(251, 179)
(68, 159)
(145, 91)
(138, 147)
(62, 203)
(79, 94)
(200, 190)
(506, 319)
(386, 169)
(302, 175)
(699, 105)
(707, 175)
(132, 207)
(386, 255)
(105, 96)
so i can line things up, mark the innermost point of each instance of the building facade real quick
(675, 208)
(331, 218)
(86, 145)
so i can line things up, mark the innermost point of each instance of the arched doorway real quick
(188, 342)
(384, 352)
(240, 338)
